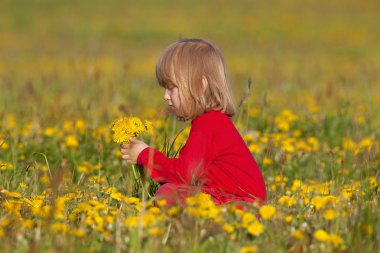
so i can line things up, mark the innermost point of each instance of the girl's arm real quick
(188, 168)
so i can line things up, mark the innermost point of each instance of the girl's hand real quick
(131, 151)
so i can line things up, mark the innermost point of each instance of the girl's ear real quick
(204, 83)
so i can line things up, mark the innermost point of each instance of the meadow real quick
(306, 77)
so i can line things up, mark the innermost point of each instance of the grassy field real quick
(311, 120)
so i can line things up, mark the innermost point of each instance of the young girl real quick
(215, 158)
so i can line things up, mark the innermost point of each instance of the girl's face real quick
(172, 97)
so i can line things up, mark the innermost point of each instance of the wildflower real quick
(335, 240)
(297, 184)
(200, 199)
(5, 166)
(254, 112)
(49, 131)
(330, 214)
(256, 228)
(127, 127)
(368, 229)
(84, 169)
(3, 144)
(313, 142)
(26, 223)
(155, 231)
(45, 180)
(71, 141)
(287, 201)
(298, 235)
(267, 212)
(254, 148)
(67, 126)
(59, 227)
(247, 219)
(80, 125)
(319, 202)
(349, 144)
(267, 161)
(79, 233)
(12, 194)
(321, 235)
(228, 228)
(132, 200)
(132, 221)
(162, 202)
(248, 249)
(117, 196)
(288, 219)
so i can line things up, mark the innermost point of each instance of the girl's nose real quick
(166, 95)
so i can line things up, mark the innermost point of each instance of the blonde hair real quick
(185, 64)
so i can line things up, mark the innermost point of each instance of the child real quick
(215, 159)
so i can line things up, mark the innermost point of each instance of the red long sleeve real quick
(214, 156)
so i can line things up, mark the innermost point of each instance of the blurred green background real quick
(65, 59)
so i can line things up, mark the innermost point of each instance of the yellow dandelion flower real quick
(256, 228)
(288, 219)
(131, 200)
(12, 194)
(254, 112)
(23, 185)
(59, 227)
(267, 212)
(247, 219)
(5, 166)
(132, 221)
(49, 131)
(267, 161)
(248, 249)
(80, 233)
(366, 143)
(349, 144)
(117, 196)
(84, 169)
(321, 235)
(173, 211)
(228, 228)
(127, 127)
(314, 143)
(298, 235)
(336, 240)
(161, 202)
(330, 214)
(287, 201)
(26, 223)
(3, 144)
(80, 124)
(71, 141)
(319, 202)
(155, 231)
(254, 148)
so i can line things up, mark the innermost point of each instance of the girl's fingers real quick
(126, 145)
(134, 140)
(126, 157)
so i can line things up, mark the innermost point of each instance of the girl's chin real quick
(173, 111)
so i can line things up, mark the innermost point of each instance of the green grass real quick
(61, 62)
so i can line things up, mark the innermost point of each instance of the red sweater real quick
(215, 156)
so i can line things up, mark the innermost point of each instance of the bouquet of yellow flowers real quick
(127, 127)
